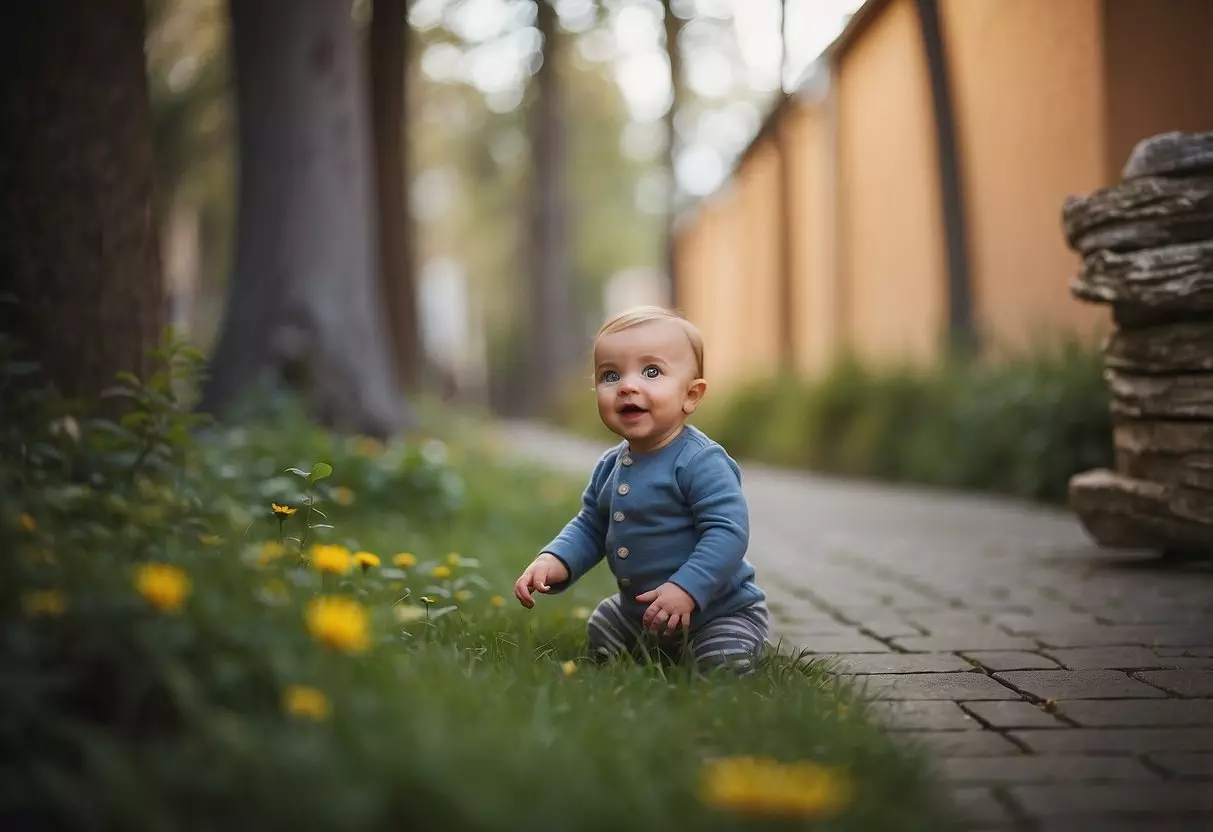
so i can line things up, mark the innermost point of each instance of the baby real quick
(664, 507)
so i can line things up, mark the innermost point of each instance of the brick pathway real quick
(1065, 687)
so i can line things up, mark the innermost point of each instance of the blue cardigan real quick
(676, 514)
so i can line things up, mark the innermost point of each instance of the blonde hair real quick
(645, 314)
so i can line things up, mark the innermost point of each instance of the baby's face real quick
(646, 382)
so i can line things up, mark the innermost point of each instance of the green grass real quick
(118, 715)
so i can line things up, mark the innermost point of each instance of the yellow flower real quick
(269, 550)
(282, 511)
(27, 522)
(328, 557)
(208, 539)
(462, 595)
(497, 601)
(42, 602)
(580, 613)
(366, 560)
(453, 559)
(405, 560)
(343, 495)
(340, 623)
(164, 585)
(428, 599)
(306, 702)
(441, 572)
(407, 612)
(569, 668)
(762, 786)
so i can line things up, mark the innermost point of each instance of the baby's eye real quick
(610, 376)
(652, 371)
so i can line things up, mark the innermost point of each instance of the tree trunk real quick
(304, 303)
(79, 244)
(673, 50)
(549, 331)
(389, 62)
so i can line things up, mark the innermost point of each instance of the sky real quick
(734, 66)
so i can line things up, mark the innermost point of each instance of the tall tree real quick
(550, 325)
(673, 51)
(390, 58)
(304, 303)
(78, 237)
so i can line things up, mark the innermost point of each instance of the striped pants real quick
(734, 640)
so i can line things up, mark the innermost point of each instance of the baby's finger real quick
(650, 615)
(522, 590)
(672, 625)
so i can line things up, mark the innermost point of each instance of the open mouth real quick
(632, 410)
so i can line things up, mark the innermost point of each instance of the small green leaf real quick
(298, 473)
(320, 526)
(320, 471)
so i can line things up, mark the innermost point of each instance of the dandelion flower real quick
(306, 702)
(441, 572)
(453, 559)
(405, 560)
(340, 623)
(366, 560)
(407, 612)
(42, 602)
(328, 557)
(343, 495)
(568, 668)
(463, 595)
(165, 586)
(282, 512)
(497, 601)
(762, 786)
(27, 522)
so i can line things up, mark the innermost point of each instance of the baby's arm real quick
(579, 547)
(713, 488)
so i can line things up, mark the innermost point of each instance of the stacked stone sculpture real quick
(1147, 249)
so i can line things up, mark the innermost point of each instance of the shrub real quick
(1021, 426)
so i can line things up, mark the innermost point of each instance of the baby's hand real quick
(544, 570)
(671, 608)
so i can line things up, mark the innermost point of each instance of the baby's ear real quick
(694, 396)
